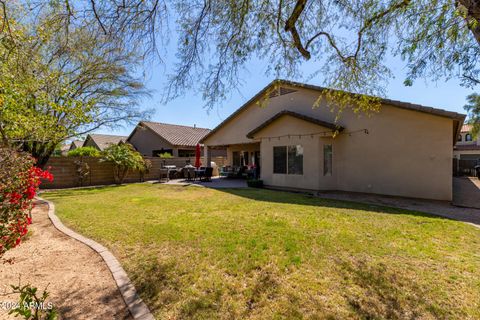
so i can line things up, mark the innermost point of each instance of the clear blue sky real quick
(188, 110)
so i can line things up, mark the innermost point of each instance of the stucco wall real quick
(145, 141)
(312, 177)
(406, 153)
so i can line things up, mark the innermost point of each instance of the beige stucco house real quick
(75, 144)
(403, 150)
(467, 147)
(155, 138)
(102, 141)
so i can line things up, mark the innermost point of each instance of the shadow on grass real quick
(297, 198)
(75, 192)
(375, 291)
(264, 195)
(156, 281)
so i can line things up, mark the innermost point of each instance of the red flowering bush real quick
(19, 183)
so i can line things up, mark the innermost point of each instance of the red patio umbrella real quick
(198, 152)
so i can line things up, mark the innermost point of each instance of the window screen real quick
(279, 159)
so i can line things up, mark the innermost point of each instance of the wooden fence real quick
(66, 171)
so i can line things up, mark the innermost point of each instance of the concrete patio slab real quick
(216, 183)
(466, 192)
(438, 208)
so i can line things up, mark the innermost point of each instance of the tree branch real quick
(290, 26)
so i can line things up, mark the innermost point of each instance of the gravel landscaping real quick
(79, 283)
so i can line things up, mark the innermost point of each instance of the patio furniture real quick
(207, 175)
(163, 175)
(170, 169)
(189, 173)
(199, 173)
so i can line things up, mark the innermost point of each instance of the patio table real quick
(169, 168)
(199, 173)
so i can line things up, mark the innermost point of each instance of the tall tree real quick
(473, 109)
(348, 40)
(71, 83)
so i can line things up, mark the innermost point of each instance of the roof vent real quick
(280, 92)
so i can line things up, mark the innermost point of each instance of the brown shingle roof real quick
(105, 140)
(77, 143)
(404, 105)
(297, 115)
(175, 134)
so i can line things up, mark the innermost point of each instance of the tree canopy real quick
(71, 83)
(473, 109)
(349, 41)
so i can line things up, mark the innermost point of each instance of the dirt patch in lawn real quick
(79, 283)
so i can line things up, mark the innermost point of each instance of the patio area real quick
(216, 183)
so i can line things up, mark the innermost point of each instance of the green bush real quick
(84, 152)
(255, 183)
(166, 155)
(124, 158)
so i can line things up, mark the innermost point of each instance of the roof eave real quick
(395, 103)
(331, 126)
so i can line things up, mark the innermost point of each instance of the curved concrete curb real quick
(135, 304)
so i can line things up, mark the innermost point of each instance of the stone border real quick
(138, 309)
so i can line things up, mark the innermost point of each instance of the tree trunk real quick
(472, 8)
(123, 173)
(41, 151)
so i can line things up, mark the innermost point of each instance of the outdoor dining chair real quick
(207, 176)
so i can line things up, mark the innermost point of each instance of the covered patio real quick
(243, 160)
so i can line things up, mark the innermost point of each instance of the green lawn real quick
(196, 253)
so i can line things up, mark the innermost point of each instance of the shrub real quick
(147, 166)
(19, 182)
(166, 155)
(32, 305)
(255, 183)
(124, 158)
(84, 152)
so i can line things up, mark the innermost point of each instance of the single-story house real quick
(294, 136)
(102, 141)
(467, 148)
(155, 138)
(75, 144)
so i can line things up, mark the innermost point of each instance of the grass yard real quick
(196, 253)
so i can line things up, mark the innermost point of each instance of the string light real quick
(323, 134)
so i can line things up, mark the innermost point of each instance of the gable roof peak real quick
(296, 115)
(175, 134)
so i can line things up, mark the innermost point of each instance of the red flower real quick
(15, 197)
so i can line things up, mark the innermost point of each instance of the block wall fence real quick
(64, 170)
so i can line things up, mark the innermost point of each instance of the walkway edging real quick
(138, 309)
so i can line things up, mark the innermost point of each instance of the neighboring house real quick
(102, 141)
(467, 148)
(75, 144)
(403, 150)
(154, 138)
